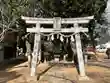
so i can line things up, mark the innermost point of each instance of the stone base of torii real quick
(57, 21)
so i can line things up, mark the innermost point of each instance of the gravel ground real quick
(56, 73)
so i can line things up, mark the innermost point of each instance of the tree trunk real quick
(93, 44)
(28, 53)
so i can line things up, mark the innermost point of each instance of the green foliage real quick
(74, 8)
(77, 8)
(11, 10)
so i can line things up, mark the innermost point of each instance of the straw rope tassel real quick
(48, 38)
(52, 37)
(66, 40)
(72, 38)
(57, 36)
(61, 38)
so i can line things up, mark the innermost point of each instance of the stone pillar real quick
(36, 51)
(1, 53)
(79, 54)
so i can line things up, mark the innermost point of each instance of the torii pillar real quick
(37, 48)
(80, 54)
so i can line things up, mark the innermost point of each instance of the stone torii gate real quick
(57, 21)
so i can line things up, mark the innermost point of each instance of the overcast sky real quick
(108, 14)
(108, 5)
(108, 10)
(106, 36)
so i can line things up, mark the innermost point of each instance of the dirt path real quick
(59, 74)
(53, 74)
